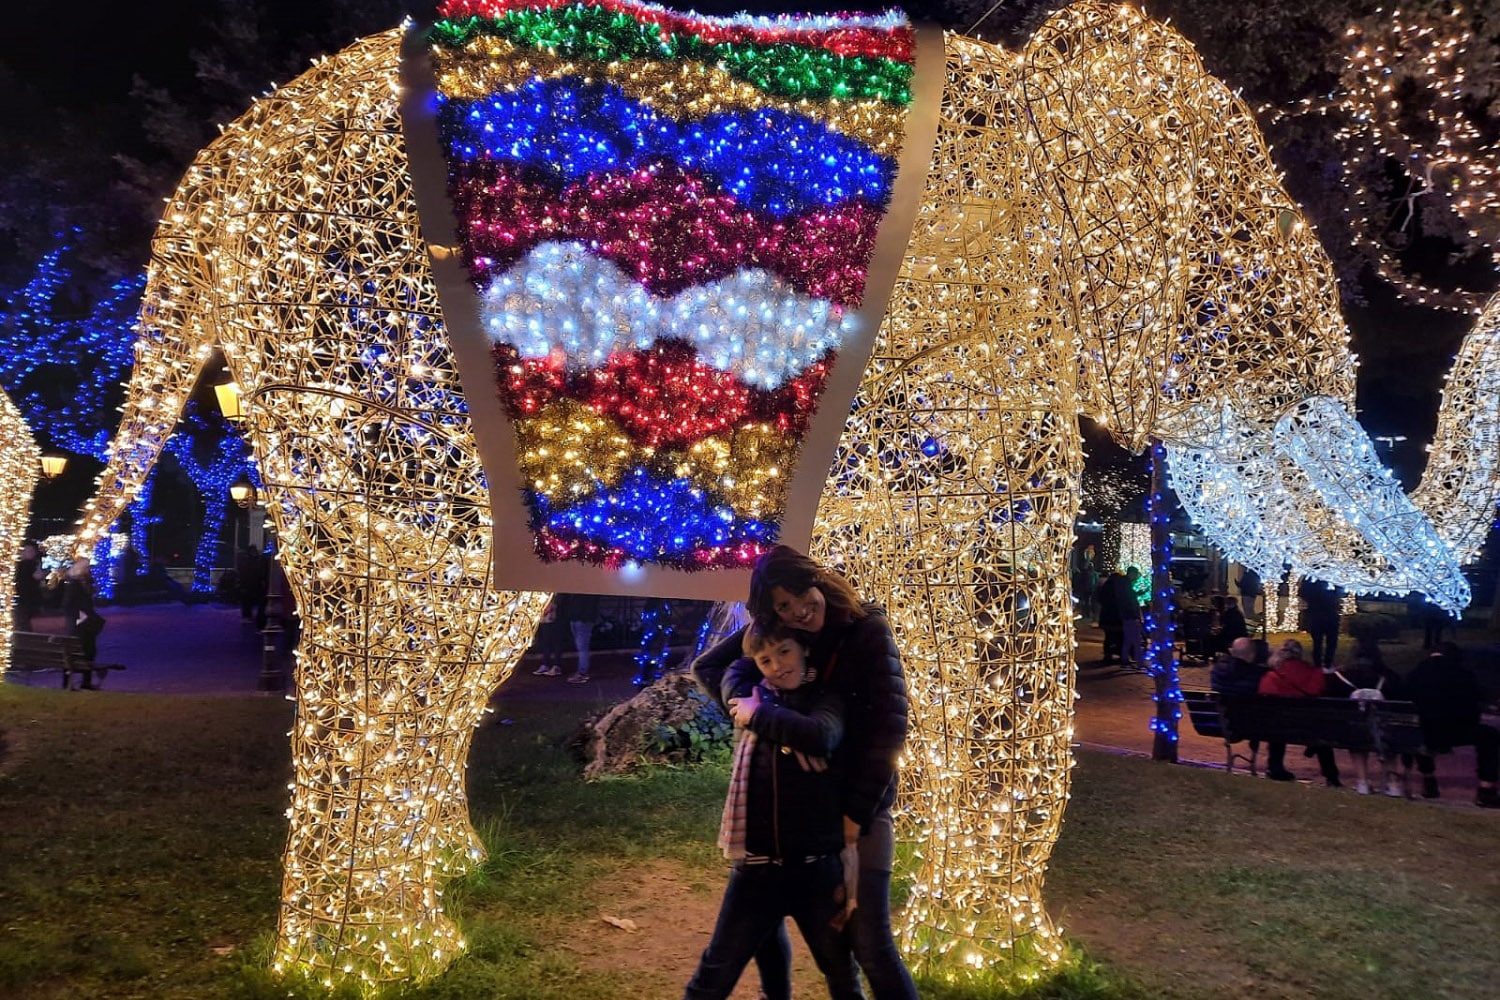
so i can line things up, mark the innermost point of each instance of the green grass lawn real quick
(140, 841)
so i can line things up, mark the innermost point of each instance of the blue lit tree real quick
(64, 365)
(65, 372)
(213, 456)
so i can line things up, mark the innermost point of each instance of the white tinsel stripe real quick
(750, 324)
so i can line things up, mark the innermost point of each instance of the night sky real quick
(81, 53)
(85, 54)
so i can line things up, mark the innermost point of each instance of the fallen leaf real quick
(624, 923)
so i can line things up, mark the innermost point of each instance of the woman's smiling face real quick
(804, 611)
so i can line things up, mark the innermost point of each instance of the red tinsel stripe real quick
(556, 546)
(895, 44)
(662, 397)
(668, 227)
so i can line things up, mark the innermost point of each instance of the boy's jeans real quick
(756, 901)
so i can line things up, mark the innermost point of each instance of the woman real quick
(1291, 676)
(854, 652)
(28, 582)
(1367, 678)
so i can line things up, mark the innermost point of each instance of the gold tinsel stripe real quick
(567, 449)
(686, 91)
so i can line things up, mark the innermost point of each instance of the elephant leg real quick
(402, 644)
(392, 678)
(20, 460)
(954, 508)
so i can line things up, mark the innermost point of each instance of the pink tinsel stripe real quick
(666, 226)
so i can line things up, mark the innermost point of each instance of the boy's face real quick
(782, 664)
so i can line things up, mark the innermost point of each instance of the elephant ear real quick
(663, 244)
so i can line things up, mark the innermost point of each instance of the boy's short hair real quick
(759, 637)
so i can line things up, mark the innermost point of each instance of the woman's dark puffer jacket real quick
(859, 661)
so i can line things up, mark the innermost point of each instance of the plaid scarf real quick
(732, 825)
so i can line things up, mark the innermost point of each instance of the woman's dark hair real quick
(785, 567)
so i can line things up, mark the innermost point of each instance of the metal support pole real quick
(272, 677)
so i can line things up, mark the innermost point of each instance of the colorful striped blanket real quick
(667, 220)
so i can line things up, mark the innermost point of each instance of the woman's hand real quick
(742, 709)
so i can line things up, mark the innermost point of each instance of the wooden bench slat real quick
(43, 652)
(1381, 727)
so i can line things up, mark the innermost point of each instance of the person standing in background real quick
(28, 587)
(1322, 605)
(549, 641)
(1108, 599)
(580, 612)
(1132, 651)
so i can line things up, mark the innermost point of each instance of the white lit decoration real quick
(20, 467)
(1461, 483)
(1101, 233)
(1405, 100)
(1135, 547)
(1287, 616)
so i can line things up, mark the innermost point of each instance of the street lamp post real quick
(271, 676)
(53, 466)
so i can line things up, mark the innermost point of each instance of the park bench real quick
(42, 652)
(1378, 727)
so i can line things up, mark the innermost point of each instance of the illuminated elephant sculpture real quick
(1098, 232)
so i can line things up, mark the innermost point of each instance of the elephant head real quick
(1207, 312)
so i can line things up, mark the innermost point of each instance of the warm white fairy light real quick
(1288, 613)
(1461, 483)
(296, 250)
(1404, 97)
(1097, 198)
(20, 468)
(1135, 547)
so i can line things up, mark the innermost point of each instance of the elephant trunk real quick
(1308, 490)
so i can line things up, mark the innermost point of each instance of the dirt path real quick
(673, 912)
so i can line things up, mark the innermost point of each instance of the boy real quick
(782, 828)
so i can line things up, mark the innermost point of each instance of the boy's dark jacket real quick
(792, 812)
(866, 674)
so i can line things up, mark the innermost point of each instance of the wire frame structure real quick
(1101, 233)
(20, 468)
(1206, 309)
(293, 245)
(1461, 483)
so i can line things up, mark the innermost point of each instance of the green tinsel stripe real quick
(783, 70)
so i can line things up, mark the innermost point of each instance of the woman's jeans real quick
(757, 902)
(869, 929)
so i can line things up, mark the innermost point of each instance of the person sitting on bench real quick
(1293, 677)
